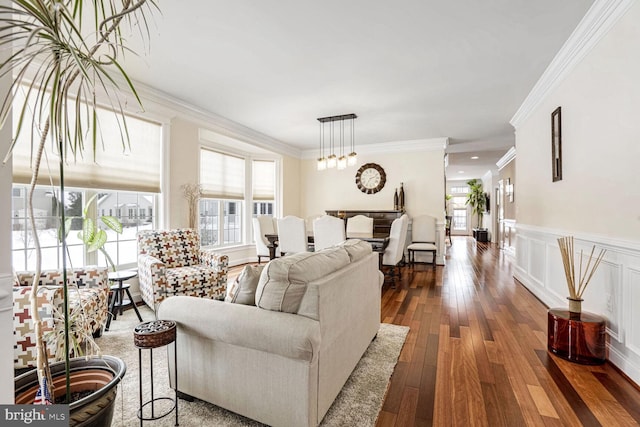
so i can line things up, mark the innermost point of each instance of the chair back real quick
(292, 235)
(327, 231)
(359, 226)
(262, 225)
(423, 229)
(397, 239)
(175, 248)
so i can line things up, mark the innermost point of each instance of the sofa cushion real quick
(284, 280)
(195, 280)
(357, 249)
(243, 289)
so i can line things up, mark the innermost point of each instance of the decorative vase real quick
(575, 305)
(395, 200)
(401, 198)
(101, 374)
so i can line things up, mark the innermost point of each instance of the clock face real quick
(370, 178)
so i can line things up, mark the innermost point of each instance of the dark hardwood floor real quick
(476, 354)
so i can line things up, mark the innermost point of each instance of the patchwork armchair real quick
(171, 262)
(88, 291)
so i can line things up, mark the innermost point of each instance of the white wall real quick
(598, 199)
(6, 296)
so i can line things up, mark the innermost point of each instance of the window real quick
(459, 206)
(228, 200)
(460, 190)
(122, 248)
(263, 186)
(132, 178)
(222, 178)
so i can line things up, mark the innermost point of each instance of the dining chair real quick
(328, 231)
(263, 224)
(423, 237)
(292, 235)
(359, 226)
(395, 250)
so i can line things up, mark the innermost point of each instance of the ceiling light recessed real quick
(460, 171)
(474, 157)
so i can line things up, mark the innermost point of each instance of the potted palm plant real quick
(62, 53)
(477, 200)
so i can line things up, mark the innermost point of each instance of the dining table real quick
(379, 241)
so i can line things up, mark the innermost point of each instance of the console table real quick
(381, 219)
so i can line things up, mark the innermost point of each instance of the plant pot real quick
(575, 305)
(100, 374)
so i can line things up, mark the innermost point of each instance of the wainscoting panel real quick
(537, 261)
(632, 299)
(613, 292)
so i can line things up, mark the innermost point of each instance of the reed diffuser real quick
(577, 288)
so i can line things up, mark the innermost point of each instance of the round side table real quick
(577, 337)
(150, 335)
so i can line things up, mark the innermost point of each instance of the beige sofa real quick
(284, 361)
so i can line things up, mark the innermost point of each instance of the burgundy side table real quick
(577, 337)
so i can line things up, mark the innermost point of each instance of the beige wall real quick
(183, 169)
(421, 172)
(291, 186)
(600, 101)
(509, 172)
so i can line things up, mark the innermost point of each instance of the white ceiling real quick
(410, 69)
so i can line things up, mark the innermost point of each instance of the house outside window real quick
(122, 248)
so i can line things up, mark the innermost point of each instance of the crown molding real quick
(508, 156)
(213, 122)
(597, 22)
(413, 145)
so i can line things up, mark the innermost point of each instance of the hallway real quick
(477, 353)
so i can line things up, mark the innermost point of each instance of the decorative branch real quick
(584, 277)
(193, 194)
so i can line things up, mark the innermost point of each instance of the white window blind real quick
(221, 175)
(116, 166)
(264, 180)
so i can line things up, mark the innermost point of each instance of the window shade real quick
(264, 180)
(221, 175)
(116, 166)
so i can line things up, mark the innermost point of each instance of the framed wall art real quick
(556, 145)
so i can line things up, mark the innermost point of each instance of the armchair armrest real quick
(212, 259)
(152, 278)
(48, 301)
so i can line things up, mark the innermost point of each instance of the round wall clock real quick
(370, 178)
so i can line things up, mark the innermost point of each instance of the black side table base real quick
(150, 335)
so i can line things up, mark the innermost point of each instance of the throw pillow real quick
(243, 289)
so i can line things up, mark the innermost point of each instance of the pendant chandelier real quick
(332, 160)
